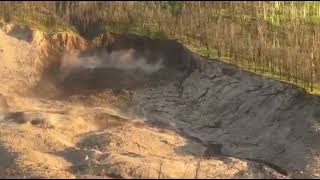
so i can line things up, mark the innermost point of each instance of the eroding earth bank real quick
(131, 107)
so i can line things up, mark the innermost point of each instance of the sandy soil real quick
(187, 118)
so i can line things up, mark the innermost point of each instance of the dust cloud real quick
(122, 59)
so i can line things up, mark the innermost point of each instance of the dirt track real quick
(135, 107)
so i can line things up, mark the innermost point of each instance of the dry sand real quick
(191, 118)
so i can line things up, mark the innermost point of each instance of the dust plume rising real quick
(122, 59)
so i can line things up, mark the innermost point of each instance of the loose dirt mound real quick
(4, 107)
(126, 106)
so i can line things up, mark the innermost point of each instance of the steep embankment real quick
(127, 106)
(48, 131)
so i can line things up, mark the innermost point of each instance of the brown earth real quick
(132, 107)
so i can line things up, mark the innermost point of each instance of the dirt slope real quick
(131, 107)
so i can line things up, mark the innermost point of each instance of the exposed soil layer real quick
(131, 107)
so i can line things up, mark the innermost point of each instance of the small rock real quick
(86, 158)
(96, 152)
(229, 160)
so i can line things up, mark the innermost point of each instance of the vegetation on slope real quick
(276, 39)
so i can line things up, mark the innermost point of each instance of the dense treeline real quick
(279, 39)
